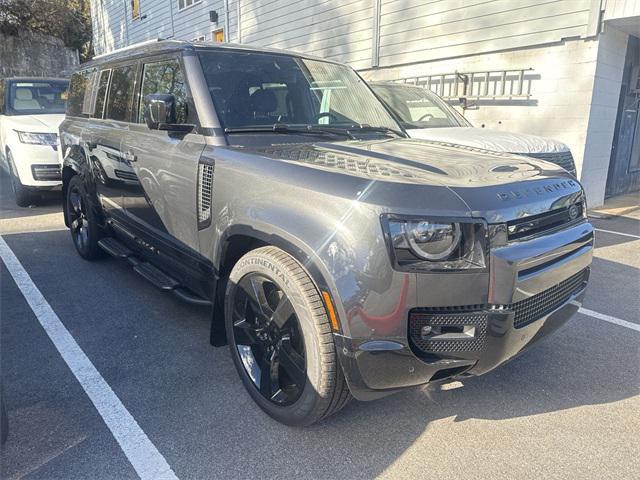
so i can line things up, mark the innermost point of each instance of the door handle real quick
(130, 157)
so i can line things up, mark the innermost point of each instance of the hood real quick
(48, 123)
(493, 186)
(494, 140)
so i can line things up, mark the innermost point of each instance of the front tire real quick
(281, 340)
(85, 230)
(23, 196)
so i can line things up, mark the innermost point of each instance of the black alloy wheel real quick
(280, 338)
(268, 339)
(85, 231)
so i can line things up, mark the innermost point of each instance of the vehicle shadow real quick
(154, 352)
(46, 202)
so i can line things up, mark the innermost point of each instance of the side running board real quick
(150, 272)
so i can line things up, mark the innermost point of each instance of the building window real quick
(182, 4)
(218, 35)
(135, 9)
(201, 38)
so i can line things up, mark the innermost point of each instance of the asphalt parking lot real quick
(569, 408)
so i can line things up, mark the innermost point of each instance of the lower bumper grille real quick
(47, 173)
(461, 331)
(531, 309)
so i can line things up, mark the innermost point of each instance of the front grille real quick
(525, 227)
(524, 312)
(129, 176)
(535, 307)
(48, 173)
(563, 159)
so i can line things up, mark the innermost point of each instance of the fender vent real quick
(205, 194)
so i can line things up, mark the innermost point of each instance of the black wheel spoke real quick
(268, 373)
(283, 312)
(292, 363)
(258, 296)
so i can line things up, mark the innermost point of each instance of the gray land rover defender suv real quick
(340, 258)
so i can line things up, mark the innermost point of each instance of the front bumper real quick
(533, 288)
(38, 166)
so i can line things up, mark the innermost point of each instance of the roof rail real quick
(128, 47)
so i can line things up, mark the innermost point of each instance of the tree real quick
(69, 20)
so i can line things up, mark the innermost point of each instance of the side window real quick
(165, 77)
(120, 96)
(77, 92)
(101, 94)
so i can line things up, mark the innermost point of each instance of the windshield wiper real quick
(369, 128)
(285, 128)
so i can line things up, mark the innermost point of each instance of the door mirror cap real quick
(160, 113)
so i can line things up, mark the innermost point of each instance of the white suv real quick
(31, 109)
(426, 116)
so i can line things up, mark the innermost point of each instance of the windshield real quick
(256, 90)
(418, 107)
(37, 97)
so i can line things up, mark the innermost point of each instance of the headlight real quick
(436, 243)
(38, 138)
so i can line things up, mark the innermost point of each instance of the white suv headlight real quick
(38, 138)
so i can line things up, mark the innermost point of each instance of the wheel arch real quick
(238, 240)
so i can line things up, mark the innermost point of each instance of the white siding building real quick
(567, 69)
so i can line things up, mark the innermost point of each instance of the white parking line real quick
(145, 458)
(617, 233)
(610, 319)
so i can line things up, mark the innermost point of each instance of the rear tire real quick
(23, 196)
(260, 336)
(85, 230)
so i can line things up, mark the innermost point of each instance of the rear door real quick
(165, 164)
(113, 97)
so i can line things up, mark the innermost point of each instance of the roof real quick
(167, 46)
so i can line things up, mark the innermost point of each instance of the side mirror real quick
(160, 113)
(159, 109)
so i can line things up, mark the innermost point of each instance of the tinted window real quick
(101, 93)
(77, 93)
(165, 77)
(120, 96)
(256, 89)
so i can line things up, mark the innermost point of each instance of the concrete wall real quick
(612, 48)
(33, 54)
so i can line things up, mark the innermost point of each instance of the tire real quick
(303, 330)
(85, 230)
(22, 195)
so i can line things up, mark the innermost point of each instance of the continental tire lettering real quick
(277, 273)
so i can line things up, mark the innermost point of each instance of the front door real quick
(165, 164)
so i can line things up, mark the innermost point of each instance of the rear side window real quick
(101, 93)
(77, 92)
(120, 98)
(165, 77)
